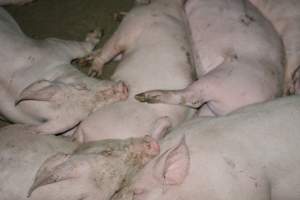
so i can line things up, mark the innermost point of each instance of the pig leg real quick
(111, 49)
(226, 88)
(192, 96)
(74, 49)
(127, 34)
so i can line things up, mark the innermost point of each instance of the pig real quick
(40, 87)
(35, 167)
(284, 14)
(252, 153)
(238, 55)
(17, 2)
(154, 42)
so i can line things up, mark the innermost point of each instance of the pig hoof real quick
(142, 2)
(92, 73)
(94, 36)
(82, 62)
(143, 97)
(118, 16)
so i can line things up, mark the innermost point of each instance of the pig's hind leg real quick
(224, 89)
(193, 96)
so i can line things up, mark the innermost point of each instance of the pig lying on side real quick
(284, 14)
(251, 154)
(38, 85)
(239, 59)
(155, 47)
(93, 171)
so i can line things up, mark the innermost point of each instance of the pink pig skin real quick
(238, 56)
(38, 85)
(156, 53)
(46, 167)
(284, 14)
(249, 154)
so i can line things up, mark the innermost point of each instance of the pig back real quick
(21, 155)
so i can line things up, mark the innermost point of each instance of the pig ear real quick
(42, 90)
(58, 168)
(176, 163)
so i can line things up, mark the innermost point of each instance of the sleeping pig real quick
(249, 154)
(284, 14)
(46, 167)
(238, 56)
(38, 86)
(156, 53)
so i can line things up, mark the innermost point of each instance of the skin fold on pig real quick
(249, 154)
(284, 14)
(156, 53)
(238, 55)
(35, 167)
(38, 85)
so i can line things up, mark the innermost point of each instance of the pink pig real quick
(238, 55)
(156, 53)
(284, 14)
(247, 155)
(39, 86)
(46, 167)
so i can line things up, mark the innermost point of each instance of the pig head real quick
(40, 87)
(92, 171)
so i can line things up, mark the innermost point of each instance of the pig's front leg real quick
(111, 49)
(73, 49)
(121, 40)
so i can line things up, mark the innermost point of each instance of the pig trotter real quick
(94, 36)
(93, 73)
(143, 97)
(173, 97)
(83, 62)
(118, 16)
